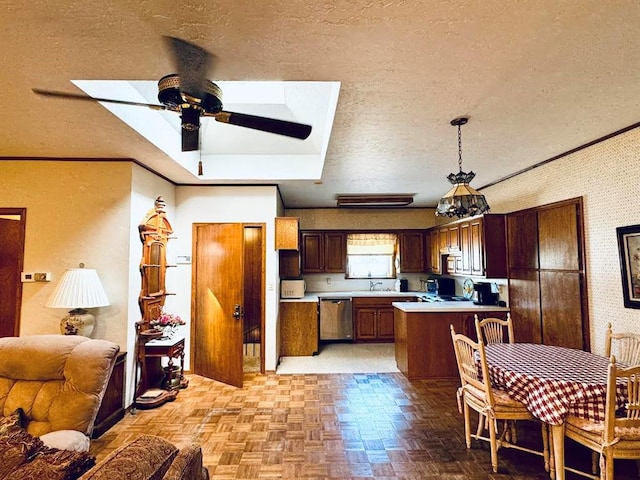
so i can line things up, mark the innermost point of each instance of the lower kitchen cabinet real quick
(374, 318)
(299, 333)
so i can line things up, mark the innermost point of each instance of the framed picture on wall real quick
(629, 248)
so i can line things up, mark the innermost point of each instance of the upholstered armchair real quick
(58, 382)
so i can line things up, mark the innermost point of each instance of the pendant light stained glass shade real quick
(462, 200)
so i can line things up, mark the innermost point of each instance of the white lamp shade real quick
(79, 288)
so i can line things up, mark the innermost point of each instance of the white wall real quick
(219, 204)
(607, 176)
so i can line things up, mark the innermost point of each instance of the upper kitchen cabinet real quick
(323, 252)
(412, 251)
(286, 229)
(474, 246)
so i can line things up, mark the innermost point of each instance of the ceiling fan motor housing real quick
(169, 94)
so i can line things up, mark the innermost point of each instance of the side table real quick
(156, 383)
(112, 407)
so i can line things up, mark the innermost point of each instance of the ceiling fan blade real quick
(271, 125)
(192, 63)
(190, 120)
(80, 96)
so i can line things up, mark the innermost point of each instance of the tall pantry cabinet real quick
(547, 289)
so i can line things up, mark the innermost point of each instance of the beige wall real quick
(608, 178)
(76, 212)
(363, 218)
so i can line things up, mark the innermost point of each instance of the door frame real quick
(194, 312)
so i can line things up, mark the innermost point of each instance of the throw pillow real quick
(15, 419)
(148, 457)
(54, 464)
(16, 447)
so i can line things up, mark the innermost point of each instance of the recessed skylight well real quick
(230, 152)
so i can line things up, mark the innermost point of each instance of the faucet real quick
(372, 285)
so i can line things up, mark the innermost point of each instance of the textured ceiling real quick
(536, 78)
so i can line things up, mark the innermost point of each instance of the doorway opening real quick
(253, 288)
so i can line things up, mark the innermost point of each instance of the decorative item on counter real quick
(462, 200)
(467, 288)
(167, 323)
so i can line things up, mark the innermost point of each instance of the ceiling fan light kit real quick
(462, 200)
(374, 201)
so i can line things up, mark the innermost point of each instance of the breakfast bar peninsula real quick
(423, 345)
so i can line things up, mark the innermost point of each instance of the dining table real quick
(552, 382)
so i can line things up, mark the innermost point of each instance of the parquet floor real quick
(332, 426)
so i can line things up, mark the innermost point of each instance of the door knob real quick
(237, 312)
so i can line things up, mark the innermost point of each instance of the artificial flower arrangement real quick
(167, 322)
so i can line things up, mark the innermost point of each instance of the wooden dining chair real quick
(618, 436)
(492, 405)
(494, 330)
(624, 345)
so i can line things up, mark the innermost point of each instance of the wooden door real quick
(385, 328)
(464, 264)
(411, 252)
(366, 323)
(218, 281)
(312, 252)
(12, 227)
(562, 320)
(524, 302)
(476, 248)
(335, 252)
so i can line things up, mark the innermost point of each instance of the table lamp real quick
(78, 289)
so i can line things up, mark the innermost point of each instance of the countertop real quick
(315, 296)
(426, 307)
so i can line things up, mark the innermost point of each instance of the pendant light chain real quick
(459, 148)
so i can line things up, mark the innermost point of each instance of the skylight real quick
(229, 152)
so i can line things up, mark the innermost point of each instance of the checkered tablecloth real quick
(552, 382)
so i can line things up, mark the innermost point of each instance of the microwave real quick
(292, 288)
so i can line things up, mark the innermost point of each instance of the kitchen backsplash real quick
(337, 283)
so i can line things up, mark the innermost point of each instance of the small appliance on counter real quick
(292, 288)
(404, 285)
(432, 286)
(485, 293)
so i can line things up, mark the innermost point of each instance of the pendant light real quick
(462, 200)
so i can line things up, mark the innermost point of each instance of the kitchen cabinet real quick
(412, 251)
(289, 263)
(299, 334)
(323, 252)
(547, 290)
(434, 258)
(286, 230)
(472, 247)
(373, 318)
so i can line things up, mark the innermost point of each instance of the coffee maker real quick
(485, 293)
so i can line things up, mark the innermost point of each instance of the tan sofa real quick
(51, 387)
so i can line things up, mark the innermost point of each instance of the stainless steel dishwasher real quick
(336, 318)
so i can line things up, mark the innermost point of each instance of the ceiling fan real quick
(193, 96)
